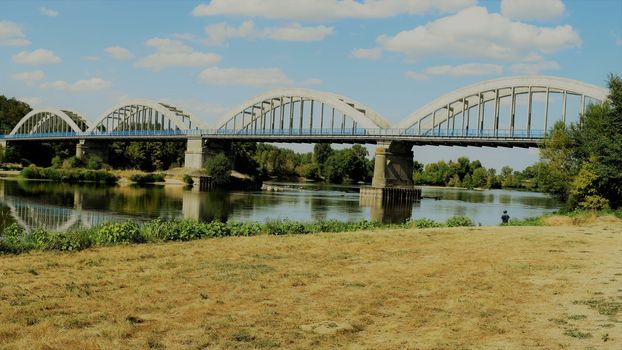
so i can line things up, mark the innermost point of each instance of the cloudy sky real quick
(393, 55)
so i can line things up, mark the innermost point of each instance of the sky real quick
(208, 56)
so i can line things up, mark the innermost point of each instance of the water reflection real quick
(65, 207)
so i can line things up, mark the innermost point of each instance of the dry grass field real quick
(465, 288)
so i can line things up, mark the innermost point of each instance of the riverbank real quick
(475, 287)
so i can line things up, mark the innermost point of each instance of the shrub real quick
(68, 175)
(188, 179)
(114, 233)
(422, 223)
(219, 168)
(458, 221)
(70, 241)
(147, 178)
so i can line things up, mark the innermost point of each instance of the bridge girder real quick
(461, 101)
(143, 115)
(290, 109)
(50, 120)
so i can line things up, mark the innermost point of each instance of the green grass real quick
(15, 240)
(147, 178)
(68, 175)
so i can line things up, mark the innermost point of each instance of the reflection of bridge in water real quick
(57, 207)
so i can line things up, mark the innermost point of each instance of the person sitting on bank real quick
(505, 218)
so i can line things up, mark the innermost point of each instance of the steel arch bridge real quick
(482, 114)
(137, 116)
(296, 111)
(50, 120)
(462, 112)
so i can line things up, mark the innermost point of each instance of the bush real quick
(68, 175)
(188, 179)
(147, 178)
(459, 221)
(422, 223)
(114, 233)
(219, 168)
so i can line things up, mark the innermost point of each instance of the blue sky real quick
(208, 56)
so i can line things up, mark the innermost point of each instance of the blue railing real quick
(353, 132)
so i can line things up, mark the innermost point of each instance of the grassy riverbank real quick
(442, 288)
(15, 240)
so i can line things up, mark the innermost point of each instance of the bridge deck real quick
(492, 138)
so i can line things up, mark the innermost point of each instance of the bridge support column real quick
(87, 148)
(3, 147)
(196, 153)
(393, 165)
(392, 188)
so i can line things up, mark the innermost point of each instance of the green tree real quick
(321, 152)
(11, 112)
(479, 178)
(219, 168)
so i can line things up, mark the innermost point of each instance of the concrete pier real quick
(393, 165)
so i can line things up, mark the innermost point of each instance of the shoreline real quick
(16, 240)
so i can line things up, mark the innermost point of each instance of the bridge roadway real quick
(443, 137)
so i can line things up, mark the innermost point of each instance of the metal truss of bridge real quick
(494, 113)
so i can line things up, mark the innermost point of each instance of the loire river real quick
(62, 206)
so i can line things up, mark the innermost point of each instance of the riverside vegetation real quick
(16, 240)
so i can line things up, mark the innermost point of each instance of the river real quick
(57, 206)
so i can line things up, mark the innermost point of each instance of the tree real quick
(584, 161)
(219, 168)
(479, 178)
(11, 112)
(321, 152)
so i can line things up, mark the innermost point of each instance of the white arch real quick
(472, 91)
(364, 116)
(168, 111)
(66, 118)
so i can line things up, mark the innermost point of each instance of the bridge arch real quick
(50, 120)
(144, 115)
(299, 111)
(455, 107)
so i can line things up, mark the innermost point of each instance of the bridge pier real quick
(88, 148)
(393, 165)
(3, 147)
(392, 182)
(196, 153)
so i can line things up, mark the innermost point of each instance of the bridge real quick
(482, 114)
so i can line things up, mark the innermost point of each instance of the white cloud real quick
(173, 53)
(92, 84)
(90, 58)
(48, 12)
(326, 9)
(532, 9)
(619, 41)
(29, 76)
(311, 82)
(416, 75)
(36, 57)
(219, 33)
(475, 33)
(368, 54)
(246, 77)
(465, 69)
(12, 35)
(119, 53)
(533, 68)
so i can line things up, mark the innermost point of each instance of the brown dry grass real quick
(466, 288)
